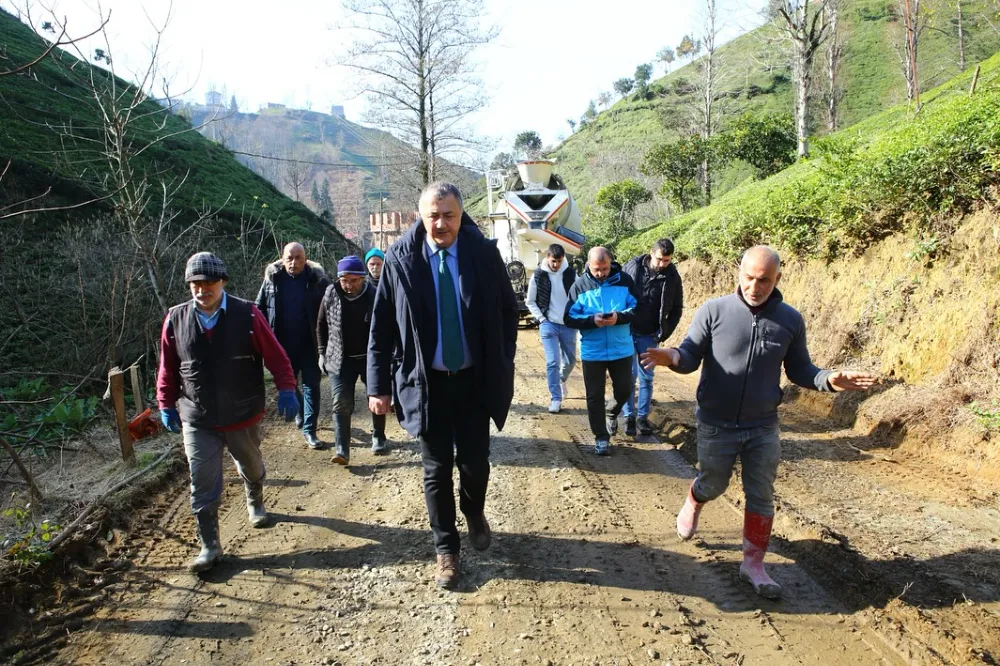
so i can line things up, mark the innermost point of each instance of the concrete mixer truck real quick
(529, 210)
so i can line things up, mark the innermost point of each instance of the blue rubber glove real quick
(171, 419)
(288, 405)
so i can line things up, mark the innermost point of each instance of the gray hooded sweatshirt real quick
(740, 385)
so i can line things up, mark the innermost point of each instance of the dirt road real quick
(881, 563)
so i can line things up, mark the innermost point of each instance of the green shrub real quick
(890, 173)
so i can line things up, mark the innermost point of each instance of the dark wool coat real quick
(330, 328)
(404, 325)
(269, 303)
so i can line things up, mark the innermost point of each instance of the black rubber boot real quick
(208, 535)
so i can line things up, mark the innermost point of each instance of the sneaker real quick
(380, 445)
(565, 390)
(630, 426)
(314, 443)
(612, 425)
(645, 427)
(602, 447)
(555, 406)
(448, 570)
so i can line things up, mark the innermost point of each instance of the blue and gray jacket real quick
(588, 297)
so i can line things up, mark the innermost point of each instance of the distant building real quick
(390, 227)
(275, 105)
(213, 98)
(337, 110)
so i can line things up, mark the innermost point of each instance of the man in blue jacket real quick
(445, 323)
(602, 305)
(741, 341)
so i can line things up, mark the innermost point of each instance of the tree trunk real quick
(961, 38)
(911, 11)
(803, 80)
(832, 67)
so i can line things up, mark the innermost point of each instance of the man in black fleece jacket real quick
(743, 339)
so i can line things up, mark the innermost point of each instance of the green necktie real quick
(452, 354)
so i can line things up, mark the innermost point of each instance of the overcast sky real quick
(551, 58)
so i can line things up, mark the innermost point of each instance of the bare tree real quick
(834, 52)
(960, 26)
(915, 21)
(142, 194)
(414, 60)
(708, 88)
(806, 27)
(295, 171)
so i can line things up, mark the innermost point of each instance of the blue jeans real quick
(645, 377)
(559, 343)
(759, 450)
(308, 365)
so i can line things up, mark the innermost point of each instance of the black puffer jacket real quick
(661, 298)
(330, 327)
(270, 305)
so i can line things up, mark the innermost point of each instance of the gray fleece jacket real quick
(740, 385)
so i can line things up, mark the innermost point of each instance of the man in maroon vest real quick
(211, 388)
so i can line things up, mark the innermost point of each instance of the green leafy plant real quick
(27, 546)
(988, 417)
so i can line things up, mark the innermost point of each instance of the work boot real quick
(756, 536)
(255, 503)
(687, 519)
(448, 571)
(480, 535)
(630, 426)
(380, 445)
(313, 441)
(645, 427)
(208, 535)
(342, 456)
(342, 437)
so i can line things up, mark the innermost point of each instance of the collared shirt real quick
(434, 260)
(209, 321)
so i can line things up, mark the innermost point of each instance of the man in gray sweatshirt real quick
(741, 341)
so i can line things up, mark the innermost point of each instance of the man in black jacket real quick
(344, 321)
(289, 299)
(661, 299)
(446, 320)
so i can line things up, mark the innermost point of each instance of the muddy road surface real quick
(881, 562)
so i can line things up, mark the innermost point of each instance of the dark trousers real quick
(594, 373)
(342, 387)
(457, 433)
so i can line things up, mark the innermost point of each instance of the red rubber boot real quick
(687, 519)
(756, 536)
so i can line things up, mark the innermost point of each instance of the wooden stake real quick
(116, 380)
(975, 81)
(137, 400)
(35, 492)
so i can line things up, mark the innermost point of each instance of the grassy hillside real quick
(758, 79)
(85, 291)
(36, 106)
(889, 173)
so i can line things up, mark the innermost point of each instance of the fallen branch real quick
(35, 492)
(72, 527)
